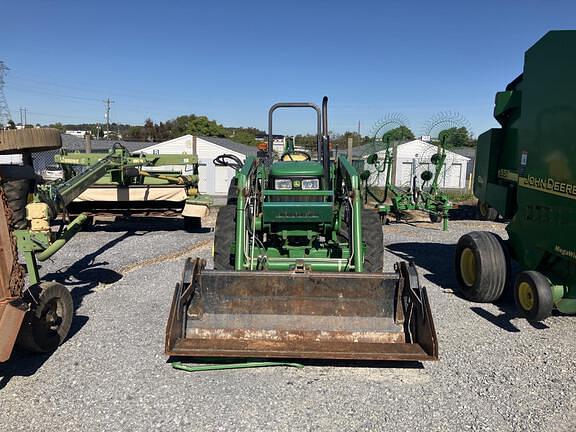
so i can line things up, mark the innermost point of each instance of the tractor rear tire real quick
(533, 295)
(485, 212)
(16, 191)
(224, 236)
(374, 240)
(232, 192)
(47, 323)
(482, 266)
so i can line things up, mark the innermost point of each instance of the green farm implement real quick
(38, 317)
(526, 172)
(298, 269)
(423, 195)
(154, 190)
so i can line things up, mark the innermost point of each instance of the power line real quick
(5, 116)
(107, 102)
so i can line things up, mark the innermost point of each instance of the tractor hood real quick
(296, 169)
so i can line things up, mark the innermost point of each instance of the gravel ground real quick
(497, 372)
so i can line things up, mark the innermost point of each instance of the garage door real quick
(223, 175)
(453, 176)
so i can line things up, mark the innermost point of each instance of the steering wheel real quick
(296, 155)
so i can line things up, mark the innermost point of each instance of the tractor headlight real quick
(310, 184)
(283, 184)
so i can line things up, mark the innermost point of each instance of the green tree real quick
(306, 141)
(244, 135)
(341, 140)
(202, 126)
(401, 133)
(455, 137)
(58, 126)
(11, 124)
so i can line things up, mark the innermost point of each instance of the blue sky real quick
(230, 60)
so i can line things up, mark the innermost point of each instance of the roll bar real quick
(322, 138)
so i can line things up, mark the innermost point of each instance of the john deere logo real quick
(549, 185)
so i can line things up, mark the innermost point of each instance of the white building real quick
(414, 157)
(214, 180)
(76, 133)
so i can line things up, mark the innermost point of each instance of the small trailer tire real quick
(485, 212)
(48, 321)
(533, 295)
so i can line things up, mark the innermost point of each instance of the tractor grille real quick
(296, 198)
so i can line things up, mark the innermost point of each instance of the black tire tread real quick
(16, 191)
(31, 340)
(491, 215)
(232, 197)
(374, 240)
(224, 235)
(544, 300)
(492, 266)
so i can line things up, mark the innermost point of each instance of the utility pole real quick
(107, 102)
(5, 116)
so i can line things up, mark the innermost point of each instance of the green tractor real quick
(298, 268)
(295, 216)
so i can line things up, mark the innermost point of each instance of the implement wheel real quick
(482, 266)
(372, 232)
(485, 212)
(47, 323)
(533, 295)
(224, 235)
(435, 217)
(192, 223)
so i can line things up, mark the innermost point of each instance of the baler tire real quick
(374, 240)
(486, 213)
(482, 266)
(232, 197)
(533, 295)
(224, 236)
(48, 322)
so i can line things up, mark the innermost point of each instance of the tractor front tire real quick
(533, 295)
(224, 236)
(373, 238)
(482, 266)
(48, 322)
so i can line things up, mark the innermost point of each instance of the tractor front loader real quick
(298, 269)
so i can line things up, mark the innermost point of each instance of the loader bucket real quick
(346, 316)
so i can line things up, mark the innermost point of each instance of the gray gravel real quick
(496, 372)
